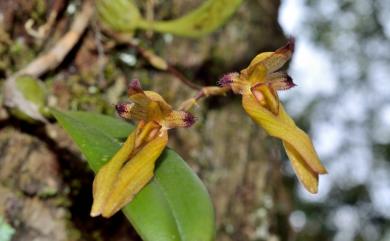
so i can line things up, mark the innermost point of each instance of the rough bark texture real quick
(45, 184)
(30, 181)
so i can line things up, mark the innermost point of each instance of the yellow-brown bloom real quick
(258, 84)
(131, 168)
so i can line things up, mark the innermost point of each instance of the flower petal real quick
(178, 119)
(134, 87)
(134, 175)
(260, 58)
(144, 108)
(272, 61)
(126, 111)
(227, 79)
(102, 184)
(279, 57)
(280, 81)
(165, 108)
(238, 83)
(147, 105)
(305, 174)
(283, 127)
(303, 144)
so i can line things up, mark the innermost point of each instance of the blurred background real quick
(341, 66)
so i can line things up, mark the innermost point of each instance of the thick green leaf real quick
(119, 15)
(124, 16)
(110, 126)
(174, 206)
(203, 20)
(33, 92)
(87, 130)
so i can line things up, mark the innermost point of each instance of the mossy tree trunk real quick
(44, 182)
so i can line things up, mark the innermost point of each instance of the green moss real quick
(48, 192)
(20, 54)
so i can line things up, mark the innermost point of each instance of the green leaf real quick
(96, 142)
(124, 16)
(174, 206)
(110, 126)
(34, 92)
(119, 15)
(201, 21)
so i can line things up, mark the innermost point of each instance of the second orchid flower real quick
(132, 167)
(258, 84)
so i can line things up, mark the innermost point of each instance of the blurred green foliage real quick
(124, 16)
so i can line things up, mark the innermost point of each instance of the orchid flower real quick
(258, 84)
(132, 167)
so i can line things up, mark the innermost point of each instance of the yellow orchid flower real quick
(258, 84)
(131, 168)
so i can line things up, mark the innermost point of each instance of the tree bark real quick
(45, 183)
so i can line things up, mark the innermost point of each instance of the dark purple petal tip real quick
(289, 82)
(227, 79)
(189, 119)
(291, 43)
(288, 47)
(121, 108)
(135, 85)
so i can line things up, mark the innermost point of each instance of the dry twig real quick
(204, 92)
(155, 60)
(43, 31)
